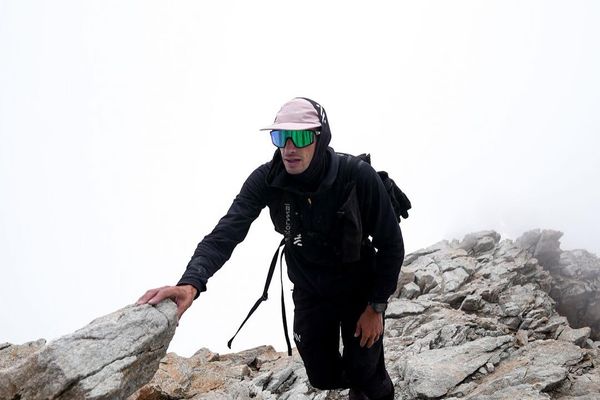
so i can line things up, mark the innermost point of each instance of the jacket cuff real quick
(378, 298)
(378, 307)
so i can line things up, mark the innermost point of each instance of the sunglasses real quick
(299, 138)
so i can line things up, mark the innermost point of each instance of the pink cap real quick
(296, 114)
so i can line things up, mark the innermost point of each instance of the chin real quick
(292, 170)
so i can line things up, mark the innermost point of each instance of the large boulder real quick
(108, 359)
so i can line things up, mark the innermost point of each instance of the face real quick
(296, 160)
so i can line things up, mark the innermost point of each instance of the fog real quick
(127, 128)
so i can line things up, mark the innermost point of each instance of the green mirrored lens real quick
(299, 138)
(302, 138)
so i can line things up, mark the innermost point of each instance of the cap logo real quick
(322, 113)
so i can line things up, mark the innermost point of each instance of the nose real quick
(289, 145)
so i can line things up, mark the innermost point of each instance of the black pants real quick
(317, 324)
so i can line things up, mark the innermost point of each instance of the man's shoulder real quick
(257, 180)
(355, 167)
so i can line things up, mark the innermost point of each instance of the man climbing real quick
(343, 250)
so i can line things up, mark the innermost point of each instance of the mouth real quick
(292, 161)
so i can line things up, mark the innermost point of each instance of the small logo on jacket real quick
(297, 337)
(298, 240)
(288, 220)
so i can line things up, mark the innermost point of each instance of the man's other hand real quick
(182, 295)
(369, 327)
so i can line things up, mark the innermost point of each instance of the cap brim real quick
(291, 126)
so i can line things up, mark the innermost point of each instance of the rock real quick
(443, 244)
(237, 375)
(433, 373)
(479, 242)
(484, 244)
(510, 309)
(576, 336)
(428, 278)
(543, 245)
(471, 303)
(175, 377)
(279, 379)
(399, 308)
(529, 240)
(11, 354)
(540, 365)
(576, 289)
(521, 392)
(108, 359)
(548, 250)
(580, 387)
(407, 275)
(552, 328)
(469, 264)
(454, 279)
(410, 290)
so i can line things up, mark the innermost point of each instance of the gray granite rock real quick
(576, 336)
(471, 303)
(108, 359)
(541, 366)
(12, 354)
(428, 278)
(479, 242)
(548, 251)
(576, 289)
(454, 279)
(433, 373)
(410, 290)
(399, 308)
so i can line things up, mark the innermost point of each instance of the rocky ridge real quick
(471, 319)
(482, 318)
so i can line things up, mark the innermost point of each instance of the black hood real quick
(308, 181)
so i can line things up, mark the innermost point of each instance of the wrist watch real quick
(378, 307)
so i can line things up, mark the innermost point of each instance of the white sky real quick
(127, 127)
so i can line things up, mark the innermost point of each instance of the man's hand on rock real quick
(369, 327)
(182, 295)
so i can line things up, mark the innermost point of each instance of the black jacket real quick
(340, 238)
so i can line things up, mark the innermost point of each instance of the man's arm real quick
(380, 223)
(216, 248)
